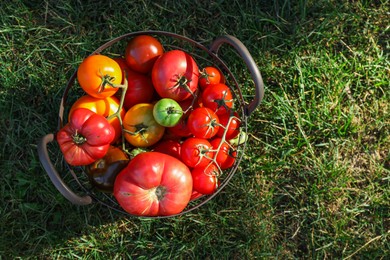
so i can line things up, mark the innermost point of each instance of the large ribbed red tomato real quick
(86, 138)
(154, 184)
(175, 75)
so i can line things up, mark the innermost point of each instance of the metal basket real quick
(81, 192)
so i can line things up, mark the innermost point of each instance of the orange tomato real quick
(104, 107)
(97, 73)
(145, 131)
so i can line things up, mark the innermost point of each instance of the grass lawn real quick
(314, 181)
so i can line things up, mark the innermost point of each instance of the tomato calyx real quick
(172, 110)
(160, 192)
(182, 82)
(211, 126)
(203, 74)
(106, 80)
(222, 102)
(78, 138)
(140, 129)
(203, 151)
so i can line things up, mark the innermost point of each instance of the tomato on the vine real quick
(218, 98)
(196, 152)
(104, 107)
(221, 150)
(205, 179)
(153, 184)
(230, 123)
(98, 74)
(85, 138)
(142, 52)
(175, 75)
(141, 129)
(203, 123)
(230, 160)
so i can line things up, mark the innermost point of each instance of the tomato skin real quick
(167, 112)
(218, 98)
(196, 152)
(102, 173)
(209, 75)
(205, 179)
(203, 123)
(85, 138)
(139, 86)
(175, 75)
(195, 195)
(104, 107)
(170, 147)
(140, 121)
(222, 154)
(230, 160)
(232, 128)
(154, 184)
(180, 129)
(93, 70)
(141, 53)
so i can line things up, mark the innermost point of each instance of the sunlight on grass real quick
(314, 181)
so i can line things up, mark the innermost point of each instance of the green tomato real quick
(241, 138)
(167, 112)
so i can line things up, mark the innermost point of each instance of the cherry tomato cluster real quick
(152, 102)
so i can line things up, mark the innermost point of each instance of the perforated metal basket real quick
(79, 191)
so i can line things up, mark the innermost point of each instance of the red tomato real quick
(218, 98)
(104, 107)
(230, 160)
(195, 195)
(175, 75)
(189, 104)
(96, 75)
(205, 179)
(141, 53)
(139, 86)
(170, 147)
(139, 90)
(232, 129)
(196, 152)
(203, 123)
(86, 138)
(180, 129)
(208, 76)
(222, 154)
(153, 184)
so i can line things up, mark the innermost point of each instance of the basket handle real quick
(250, 63)
(55, 177)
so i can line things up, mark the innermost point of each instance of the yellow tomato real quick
(142, 129)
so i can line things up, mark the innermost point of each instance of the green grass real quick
(314, 182)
